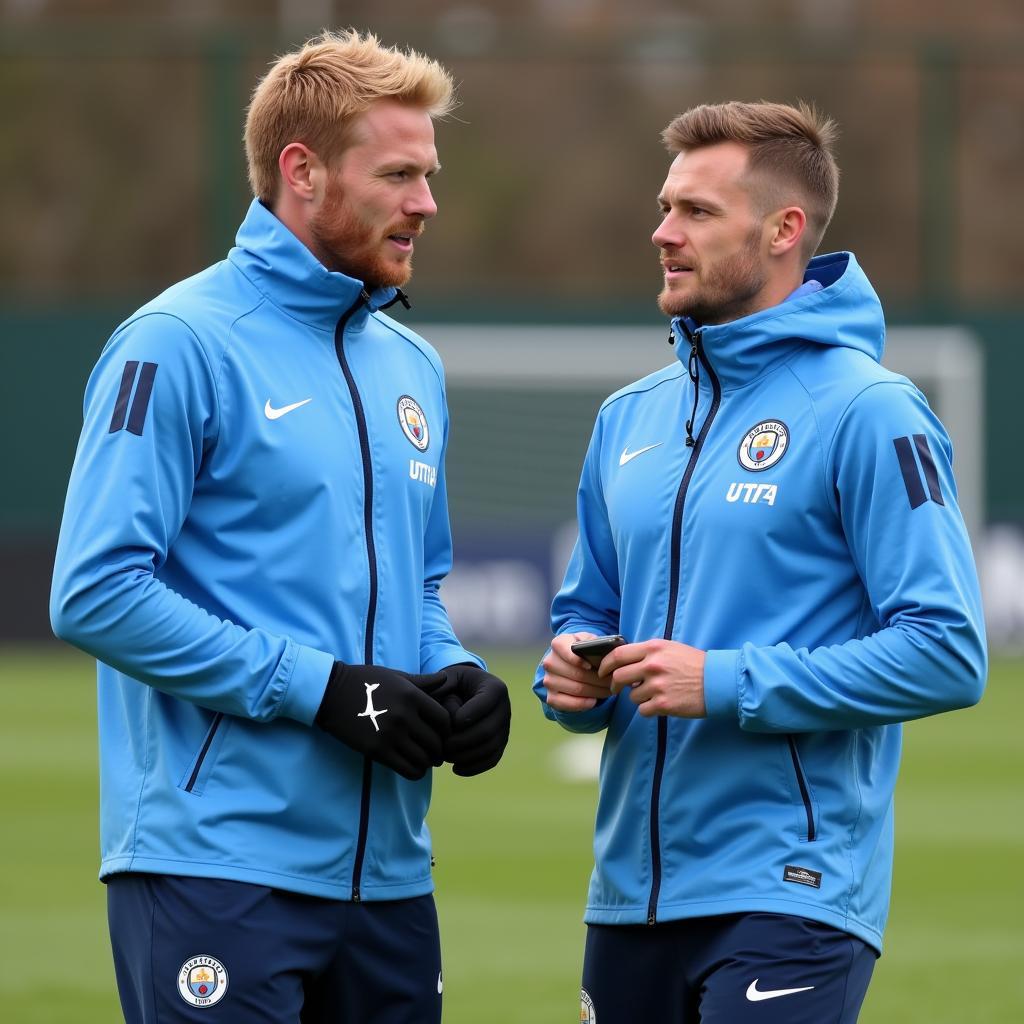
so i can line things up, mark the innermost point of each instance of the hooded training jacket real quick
(258, 490)
(810, 541)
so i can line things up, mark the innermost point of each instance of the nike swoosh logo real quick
(755, 996)
(627, 455)
(275, 414)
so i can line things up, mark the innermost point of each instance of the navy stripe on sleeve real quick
(931, 475)
(123, 394)
(137, 417)
(908, 467)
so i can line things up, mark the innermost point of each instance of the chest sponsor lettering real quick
(424, 472)
(751, 494)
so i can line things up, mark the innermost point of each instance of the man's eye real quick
(399, 175)
(698, 211)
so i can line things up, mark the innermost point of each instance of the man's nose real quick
(420, 203)
(665, 236)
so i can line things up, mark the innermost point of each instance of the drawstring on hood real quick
(693, 369)
(401, 297)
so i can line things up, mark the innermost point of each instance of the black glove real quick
(392, 717)
(480, 723)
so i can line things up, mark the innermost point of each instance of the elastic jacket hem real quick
(637, 914)
(340, 890)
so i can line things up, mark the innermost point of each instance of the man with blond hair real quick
(771, 525)
(255, 532)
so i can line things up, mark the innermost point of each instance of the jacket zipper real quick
(805, 793)
(670, 621)
(214, 726)
(371, 557)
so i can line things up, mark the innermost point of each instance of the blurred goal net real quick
(523, 400)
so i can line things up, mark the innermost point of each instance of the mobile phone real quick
(595, 650)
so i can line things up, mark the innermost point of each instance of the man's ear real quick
(301, 170)
(785, 228)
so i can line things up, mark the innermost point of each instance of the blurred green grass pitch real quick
(513, 859)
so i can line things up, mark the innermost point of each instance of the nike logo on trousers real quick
(755, 995)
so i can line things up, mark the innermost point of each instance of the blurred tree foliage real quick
(123, 169)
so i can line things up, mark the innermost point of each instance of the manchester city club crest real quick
(588, 1015)
(413, 422)
(202, 981)
(763, 445)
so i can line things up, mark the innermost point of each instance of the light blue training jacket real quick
(258, 490)
(811, 542)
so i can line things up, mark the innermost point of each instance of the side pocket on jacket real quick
(810, 832)
(195, 776)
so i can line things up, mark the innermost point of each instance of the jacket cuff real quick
(441, 657)
(592, 720)
(306, 684)
(721, 684)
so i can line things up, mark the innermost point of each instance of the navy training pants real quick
(203, 949)
(754, 968)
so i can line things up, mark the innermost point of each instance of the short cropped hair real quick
(790, 154)
(313, 94)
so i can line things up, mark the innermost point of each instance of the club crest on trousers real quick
(202, 981)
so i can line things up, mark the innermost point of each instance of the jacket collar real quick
(844, 312)
(292, 278)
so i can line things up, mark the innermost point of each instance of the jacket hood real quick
(291, 277)
(845, 313)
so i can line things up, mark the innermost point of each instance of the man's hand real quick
(663, 677)
(481, 719)
(394, 718)
(571, 683)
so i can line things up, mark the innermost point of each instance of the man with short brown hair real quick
(772, 522)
